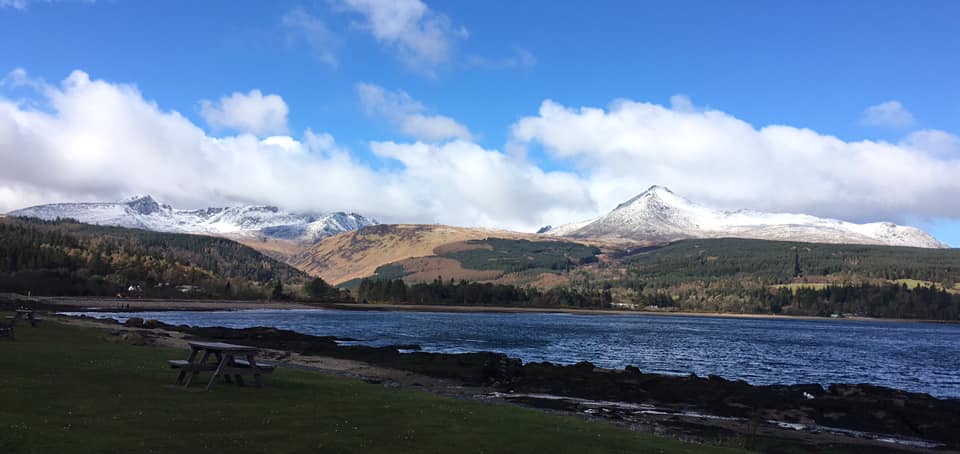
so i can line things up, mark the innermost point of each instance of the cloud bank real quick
(86, 139)
(713, 157)
(94, 140)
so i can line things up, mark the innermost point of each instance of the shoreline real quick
(671, 405)
(106, 304)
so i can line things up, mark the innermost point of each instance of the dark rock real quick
(135, 322)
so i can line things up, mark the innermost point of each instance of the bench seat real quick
(187, 365)
(264, 367)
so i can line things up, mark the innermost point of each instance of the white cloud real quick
(248, 112)
(95, 140)
(422, 38)
(718, 159)
(301, 26)
(890, 114)
(521, 59)
(409, 115)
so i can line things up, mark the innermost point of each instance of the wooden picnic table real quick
(26, 314)
(231, 362)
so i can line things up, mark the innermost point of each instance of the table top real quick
(221, 346)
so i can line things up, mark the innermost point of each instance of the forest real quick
(66, 258)
(464, 293)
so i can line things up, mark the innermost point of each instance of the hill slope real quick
(68, 258)
(359, 253)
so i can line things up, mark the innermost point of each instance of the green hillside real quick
(755, 276)
(68, 258)
(776, 262)
(521, 255)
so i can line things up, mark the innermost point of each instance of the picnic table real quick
(230, 361)
(26, 314)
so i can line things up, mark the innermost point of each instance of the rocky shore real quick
(841, 416)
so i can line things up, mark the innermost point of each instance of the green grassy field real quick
(66, 389)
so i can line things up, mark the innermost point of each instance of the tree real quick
(318, 288)
(277, 293)
(796, 265)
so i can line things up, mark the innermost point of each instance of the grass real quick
(65, 389)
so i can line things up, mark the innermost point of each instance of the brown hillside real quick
(357, 254)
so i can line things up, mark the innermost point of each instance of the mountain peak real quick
(660, 195)
(143, 204)
(659, 215)
(657, 189)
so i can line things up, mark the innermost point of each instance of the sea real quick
(919, 357)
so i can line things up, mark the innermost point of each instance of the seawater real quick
(920, 357)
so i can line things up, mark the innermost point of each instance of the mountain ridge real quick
(144, 212)
(660, 215)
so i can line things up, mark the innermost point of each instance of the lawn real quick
(66, 389)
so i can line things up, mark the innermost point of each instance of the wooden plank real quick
(265, 367)
(222, 347)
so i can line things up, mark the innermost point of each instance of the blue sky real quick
(809, 65)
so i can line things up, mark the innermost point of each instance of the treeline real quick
(463, 293)
(777, 262)
(65, 258)
(866, 300)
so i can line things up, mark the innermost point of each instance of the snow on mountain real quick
(143, 212)
(660, 215)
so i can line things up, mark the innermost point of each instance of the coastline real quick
(681, 407)
(106, 304)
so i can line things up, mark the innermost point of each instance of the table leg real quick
(226, 377)
(256, 370)
(183, 372)
(193, 375)
(217, 372)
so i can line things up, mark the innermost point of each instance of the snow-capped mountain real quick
(143, 212)
(660, 215)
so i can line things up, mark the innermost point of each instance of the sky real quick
(497, 114)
